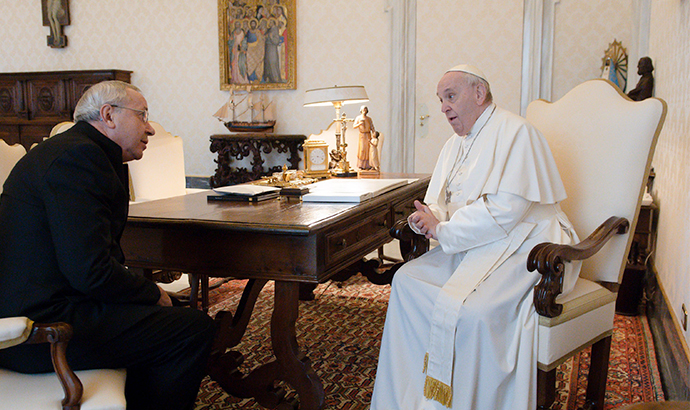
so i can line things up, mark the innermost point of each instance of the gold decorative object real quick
(288, 178)
(338, 96)
(614, 64)
(316, 158)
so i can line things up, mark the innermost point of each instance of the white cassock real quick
(461, 328)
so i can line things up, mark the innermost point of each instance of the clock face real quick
(317, 156)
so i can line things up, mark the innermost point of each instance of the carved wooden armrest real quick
(549, 259)
(412, 245)
(58, 334)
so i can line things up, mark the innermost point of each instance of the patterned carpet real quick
(341, 329)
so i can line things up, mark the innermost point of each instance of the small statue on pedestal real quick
(365, 125)
(645, 87)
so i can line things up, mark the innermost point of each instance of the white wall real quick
(670, 52)
(172, 48)
(583, 32)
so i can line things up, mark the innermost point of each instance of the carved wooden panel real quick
(238, 146)
(32, 103)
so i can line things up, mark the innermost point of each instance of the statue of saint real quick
(645, 87)
(366, 128)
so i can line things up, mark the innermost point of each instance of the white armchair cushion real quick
(587, 317)
(103, 390)
(14, 330)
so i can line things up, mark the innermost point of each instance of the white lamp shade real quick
(350, 94)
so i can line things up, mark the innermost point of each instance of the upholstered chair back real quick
(9, 155)
(160, 173)
(61, 127)
(603, 144)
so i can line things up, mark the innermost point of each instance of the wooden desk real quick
(287, 242)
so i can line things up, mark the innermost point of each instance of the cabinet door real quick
(47, 99)
(11, 100)
(12, 109)
(80, 83)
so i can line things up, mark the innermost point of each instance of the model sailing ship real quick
(243, 113)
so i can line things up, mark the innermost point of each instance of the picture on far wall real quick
(257, 44)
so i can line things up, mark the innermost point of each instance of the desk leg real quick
(295, 366)
(290, 365)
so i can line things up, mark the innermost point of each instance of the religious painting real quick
(55, 15)
(257, 44)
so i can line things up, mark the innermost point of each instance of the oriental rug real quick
(341, 331)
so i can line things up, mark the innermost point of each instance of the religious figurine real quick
(56, 15)
(645, 87)
(609, 71)
(374, 159)
(366, 128)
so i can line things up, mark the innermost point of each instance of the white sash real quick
(475, 267)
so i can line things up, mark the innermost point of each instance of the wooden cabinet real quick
(630, 291)
(32, 103)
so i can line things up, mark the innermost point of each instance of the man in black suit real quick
(62, 213)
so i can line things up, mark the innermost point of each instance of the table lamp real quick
(338, 96)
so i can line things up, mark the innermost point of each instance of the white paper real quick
(350, 190)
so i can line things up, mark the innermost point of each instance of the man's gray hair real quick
(107, 92)
(473, 80)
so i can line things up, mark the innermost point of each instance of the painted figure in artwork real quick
(271, 53)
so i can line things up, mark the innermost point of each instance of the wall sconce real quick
(338, 96)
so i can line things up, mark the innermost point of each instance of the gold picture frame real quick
(257, 44)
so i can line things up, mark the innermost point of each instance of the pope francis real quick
(461, 328)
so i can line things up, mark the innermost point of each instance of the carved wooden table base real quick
(290, 364)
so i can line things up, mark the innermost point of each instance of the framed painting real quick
(257, 44)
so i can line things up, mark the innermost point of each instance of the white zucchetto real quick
(469, 69)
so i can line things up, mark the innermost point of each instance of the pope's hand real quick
(424, 220)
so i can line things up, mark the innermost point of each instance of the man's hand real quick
(164, 299)
(424, 220)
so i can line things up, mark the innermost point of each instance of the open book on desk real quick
(350, 190)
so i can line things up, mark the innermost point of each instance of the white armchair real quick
(603, 144)
(101, 389)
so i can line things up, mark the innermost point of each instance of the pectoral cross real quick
(56, 15)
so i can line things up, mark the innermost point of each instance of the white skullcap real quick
(469, 69)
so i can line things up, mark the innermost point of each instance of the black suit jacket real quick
(62, 212)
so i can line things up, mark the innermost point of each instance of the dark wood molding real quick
(672, 358)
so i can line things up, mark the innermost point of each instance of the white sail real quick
(245, 107)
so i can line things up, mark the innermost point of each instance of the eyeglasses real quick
(143, 113)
